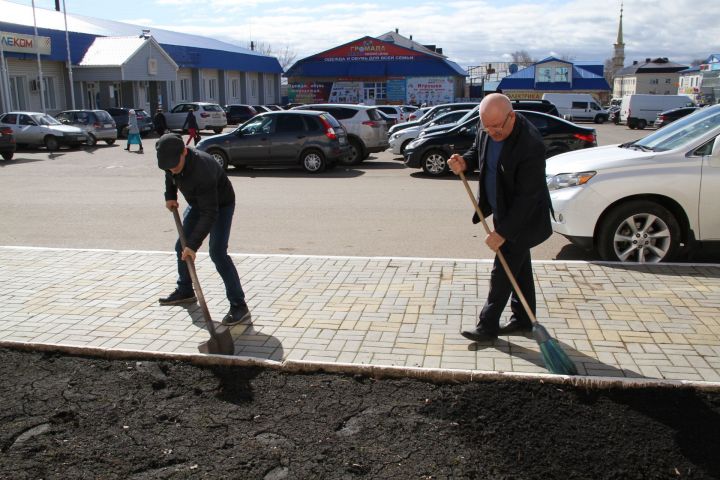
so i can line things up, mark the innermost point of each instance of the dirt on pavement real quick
(68, 417)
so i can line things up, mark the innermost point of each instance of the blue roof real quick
(192, 51)
(582, 79)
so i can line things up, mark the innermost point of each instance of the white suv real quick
(209, 116)
(642, 201)
(366, 130)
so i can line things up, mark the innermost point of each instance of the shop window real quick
(184, 89)
(49, 93)
(18, 93)
(235, 87)
(212, 88)
(561, 74)
(253, 87)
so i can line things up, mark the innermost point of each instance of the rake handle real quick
(500, 255)
(193, 274)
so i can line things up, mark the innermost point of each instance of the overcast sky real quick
(471, 32)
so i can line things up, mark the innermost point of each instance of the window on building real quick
(184, 89)
(212, 88)
(375, 90)
(172, 92)
(235, 87)
(49, 93)
(544, 75)
(654, 81)
(269, 90)
(668, 80)
(561, 74)
(18, 93)
(253, 87)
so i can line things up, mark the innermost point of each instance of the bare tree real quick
(567, 57)
(522, 57)
(286, 56)
(609, 71)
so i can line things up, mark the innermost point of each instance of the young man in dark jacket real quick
(211, 203)
(160, 122)
(510, 154)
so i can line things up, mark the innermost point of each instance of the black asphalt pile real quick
(66, 417)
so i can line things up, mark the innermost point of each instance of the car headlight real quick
(564, 180)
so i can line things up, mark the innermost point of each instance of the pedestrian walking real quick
(191, 126)
(133, 131)
(160, 122)
(509, 152)
(211, 204)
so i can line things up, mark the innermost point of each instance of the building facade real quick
(657, 76)
(115, 64)
(390, 69)
(553, 75)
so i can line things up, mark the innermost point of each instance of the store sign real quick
(430, 90)
(396, 90)
(369, 49)
(15, 42)
(309, 92)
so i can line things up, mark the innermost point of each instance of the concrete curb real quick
(435, 375)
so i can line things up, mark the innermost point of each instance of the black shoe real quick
(237, 314)
(140, 151)
(178, 298)
(478, 335)
(515, 326)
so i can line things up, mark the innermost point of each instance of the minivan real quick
(641, 110)
(578, 106)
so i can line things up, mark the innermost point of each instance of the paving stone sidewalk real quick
(660, 321)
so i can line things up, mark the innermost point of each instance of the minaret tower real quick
(619, 55)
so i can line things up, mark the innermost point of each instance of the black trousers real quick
(518, 259)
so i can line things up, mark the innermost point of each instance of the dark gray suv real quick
(314, 140)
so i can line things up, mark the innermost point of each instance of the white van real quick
(640, 110)
(577, 106)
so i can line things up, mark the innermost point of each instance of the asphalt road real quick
(105, 197)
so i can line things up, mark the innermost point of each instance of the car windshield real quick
(212, 108)
(681, 132)
(45, 120)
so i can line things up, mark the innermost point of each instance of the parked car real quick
(34, 128)
(577, 106)
(640, 110)
(7, 142)
(97, 124)
(393, 111)
(237, 113)
(642, 201)
(669, 116)
(542, 106)
(432, 152)
(288, 106)
(432, 113)
(399, 140)
(276, 108)
(262, 108)
(314, 140)
(120, 116)
(417, 113)
(389, 121)
(209, 116)
(366, 130)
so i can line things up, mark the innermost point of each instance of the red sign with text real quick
(369, 49)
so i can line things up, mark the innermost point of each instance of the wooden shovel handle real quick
(193, 274)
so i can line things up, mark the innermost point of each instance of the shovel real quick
(221, 341)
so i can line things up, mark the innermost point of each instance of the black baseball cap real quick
(169, 148)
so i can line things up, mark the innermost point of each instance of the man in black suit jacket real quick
(510, 155)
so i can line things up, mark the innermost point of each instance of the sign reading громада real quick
(16, 42)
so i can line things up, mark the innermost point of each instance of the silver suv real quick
(209, 116)
(97, 124)
(366, 130)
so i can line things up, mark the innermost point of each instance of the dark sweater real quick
(205, 187)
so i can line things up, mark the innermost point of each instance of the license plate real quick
(108, 125)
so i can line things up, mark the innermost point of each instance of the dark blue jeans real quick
(219, 238)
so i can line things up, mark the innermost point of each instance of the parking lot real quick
(104, 197)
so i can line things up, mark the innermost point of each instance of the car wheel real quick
(356, 153)
(51, 143)
(639, 232)
(312, 161)
(641, 124)
(217, 131)
(435, 163)
(110, 142)
(91, 140)
(600, 119)
(220, 158)
(404, 146)
(7, 156)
